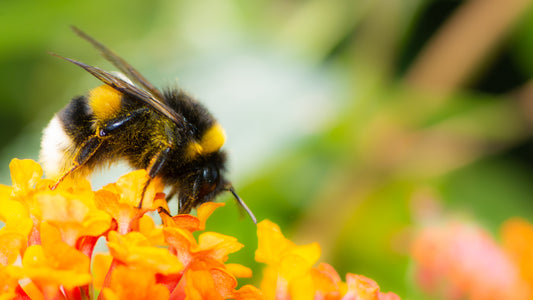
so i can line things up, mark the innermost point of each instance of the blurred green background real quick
(349, 122)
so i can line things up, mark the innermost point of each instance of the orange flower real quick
(121, 199)
(189, 222)
(101, 265)
(73, 214)
(127, 283)
(360, 287)
(327, 282)
(54, 233)
(206, 283)
(53, 264)
(205, 273)
(249, 292)
(517, 238)
(8, 284)
(135, 251)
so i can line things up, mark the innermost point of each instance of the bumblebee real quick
(168, 133)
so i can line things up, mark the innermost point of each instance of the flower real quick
(128, 283)
(121, 199)
(517, 240)
(47, 243)
(290, 273)
(458, 260)
(53, 265)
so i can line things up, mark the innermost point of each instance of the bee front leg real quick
(85, 152)
(154, 168)
(89, 147)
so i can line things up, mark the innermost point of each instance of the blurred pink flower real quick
(459, 260)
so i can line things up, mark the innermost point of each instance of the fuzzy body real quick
(193, 166)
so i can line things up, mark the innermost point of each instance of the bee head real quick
(209, 182)
(206, 182)
(203, 182)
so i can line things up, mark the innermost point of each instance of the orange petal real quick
(12, 245)
(152, 232)
(200, 285)
(517, 237)
(249, 292)
(131, 185)
(205, 210)
(361, 287)
(101, 264)
(217, 245)
(44, 274)
(73, 217)
(33, 291)
(193, 223)
(225, 283)
(8, 284)
(59, 254)
(134, 250)
(124, 214)
(180, 242)
(127, 283)
(326, 280)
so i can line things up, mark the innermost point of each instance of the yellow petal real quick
(15, 216)
(12, 244)
(239, 271)
(271, 243)
(24, 175)
(152, 232)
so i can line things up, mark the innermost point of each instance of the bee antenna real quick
(242, 204)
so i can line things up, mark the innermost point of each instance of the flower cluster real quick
(49, 236)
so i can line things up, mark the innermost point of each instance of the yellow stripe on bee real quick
(104, 101)
(212, 140)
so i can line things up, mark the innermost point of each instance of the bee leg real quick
(154, 168)
(88, 149)
(185, 206)
(162, 210)
(186, 203)
(121, 121)
(82, 156)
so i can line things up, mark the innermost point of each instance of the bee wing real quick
(121, 64)
(127, 88)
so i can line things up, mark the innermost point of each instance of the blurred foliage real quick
(388, 114)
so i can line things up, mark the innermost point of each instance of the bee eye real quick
(210, 175)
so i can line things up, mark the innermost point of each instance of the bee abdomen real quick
(55, 147)
(64, 134)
